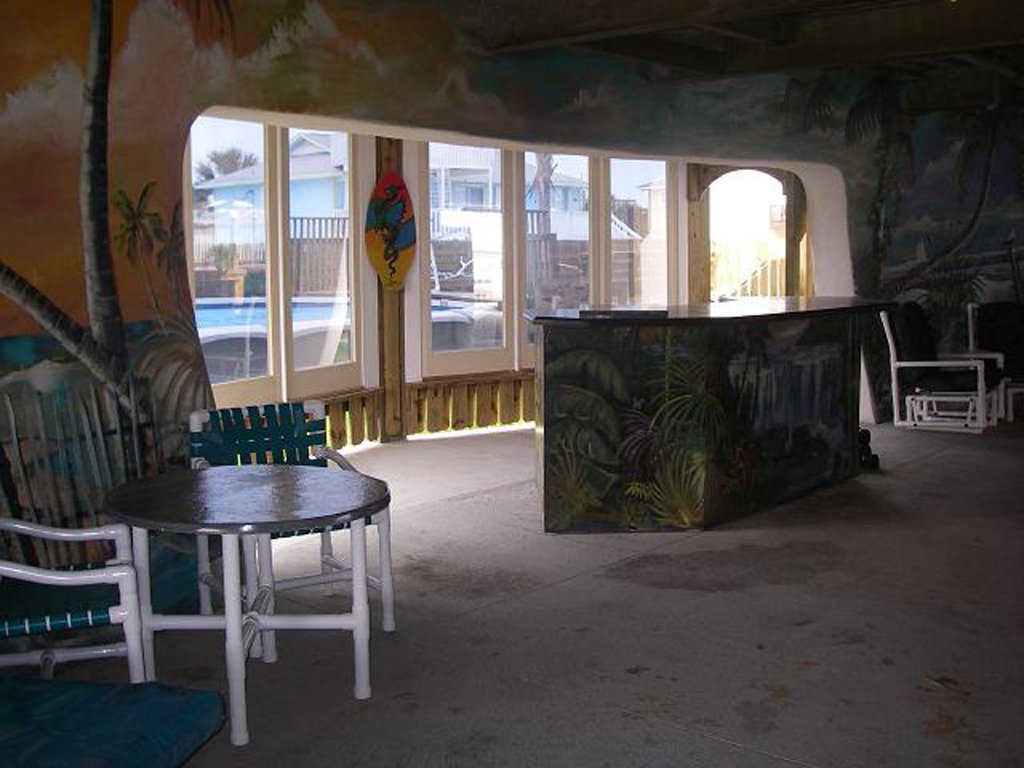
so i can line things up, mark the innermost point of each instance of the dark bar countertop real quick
(737, 309)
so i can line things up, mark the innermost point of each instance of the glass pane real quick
(318, 247)
(748, 235)
(466, 248)
(229, 243)
(557, 233)
(638, 232)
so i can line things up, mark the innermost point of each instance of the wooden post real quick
(796, 226)
(698, 252)
(391, 322)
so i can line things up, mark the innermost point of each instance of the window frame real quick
(421, 361)
(467, 361)
(283, 381)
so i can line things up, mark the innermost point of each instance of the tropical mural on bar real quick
(650, 427)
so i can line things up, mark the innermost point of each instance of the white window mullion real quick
(279, 288)
(420, 152)
(362, 178)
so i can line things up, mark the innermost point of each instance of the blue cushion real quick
(47, 723)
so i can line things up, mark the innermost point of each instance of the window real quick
(272, 259)
(557, 194)
(318, 248)
(639, 232)
(229, 248)
(467, 249)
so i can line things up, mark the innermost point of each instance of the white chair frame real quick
(331, 569)
(952, 411)
(119, 571)
(1010, 389)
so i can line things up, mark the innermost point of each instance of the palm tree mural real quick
(878, 111)
(101, 297)
(137, 237)
(983, 132)
(101, 346)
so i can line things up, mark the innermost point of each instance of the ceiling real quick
(699, 40)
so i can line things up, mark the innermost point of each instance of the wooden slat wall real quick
(461, 402)
(435, 405)
(353, 417)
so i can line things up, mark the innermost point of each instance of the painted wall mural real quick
(934, 196)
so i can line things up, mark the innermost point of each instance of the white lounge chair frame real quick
(119, 571)
(1010, 389)
(331, 569)
(949, 411)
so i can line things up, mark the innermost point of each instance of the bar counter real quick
(660, 419)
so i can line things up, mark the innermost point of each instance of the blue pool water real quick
(253, 312)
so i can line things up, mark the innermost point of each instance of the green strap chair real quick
(283, 433)
(35, 601)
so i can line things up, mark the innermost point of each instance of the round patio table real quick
(235, 503)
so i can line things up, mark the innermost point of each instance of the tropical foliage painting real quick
(663, 427)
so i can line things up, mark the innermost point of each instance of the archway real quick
(764, 249)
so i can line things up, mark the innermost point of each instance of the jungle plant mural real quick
(711, 420)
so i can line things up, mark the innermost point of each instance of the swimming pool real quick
(252, 313)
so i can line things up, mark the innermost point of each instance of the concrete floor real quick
(876, 623)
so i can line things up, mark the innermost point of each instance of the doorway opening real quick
(748, 235)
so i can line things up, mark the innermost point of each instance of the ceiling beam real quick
(687, 13)
(889, 34)
(989, 64)
(686, 58)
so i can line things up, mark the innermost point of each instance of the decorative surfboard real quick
(390, 230)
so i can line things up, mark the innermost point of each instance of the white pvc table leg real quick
(251, 587)
(360, 609)
(387, 588)
(140, 554)
(233, 648)
(266, 558)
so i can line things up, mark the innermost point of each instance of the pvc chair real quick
(998, 327)
(75, 612)
(285, 433)
(953, 392)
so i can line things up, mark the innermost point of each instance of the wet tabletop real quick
(737, 309)
(262, 498)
